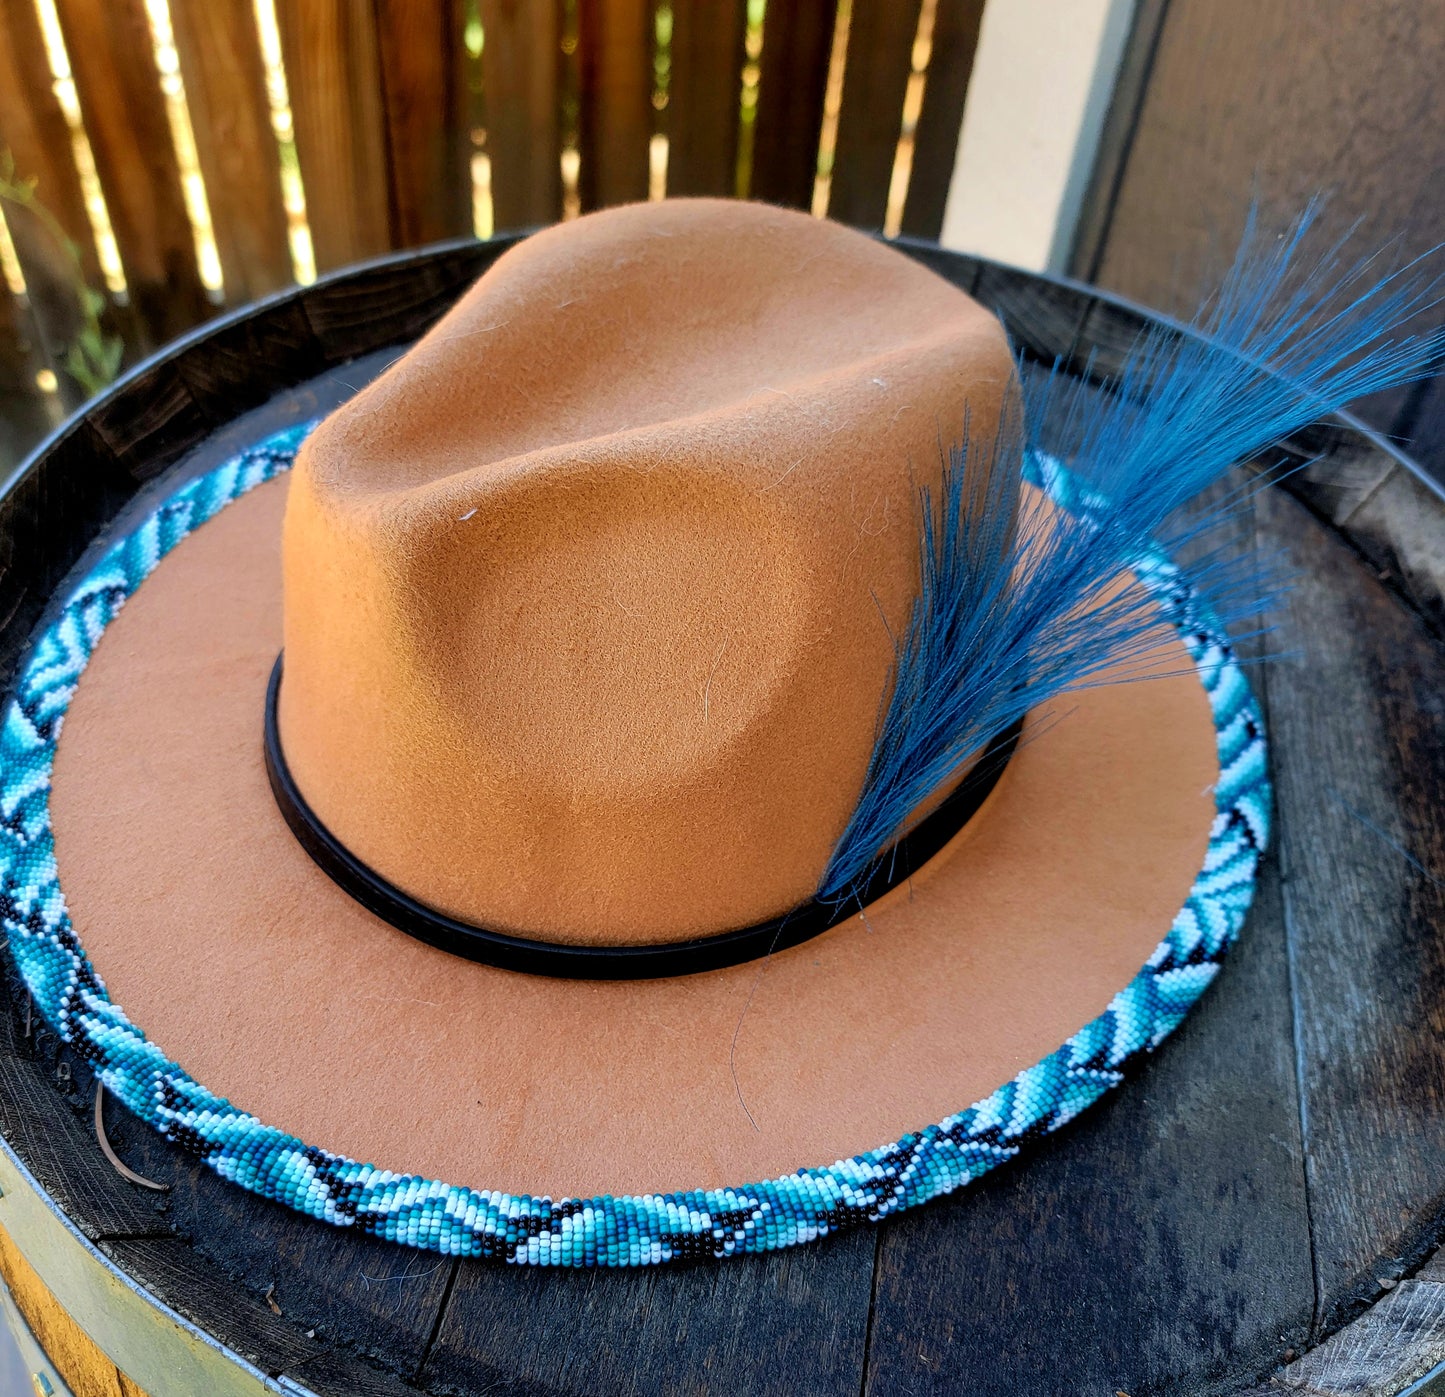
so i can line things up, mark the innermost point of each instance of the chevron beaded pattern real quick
(604, 1231)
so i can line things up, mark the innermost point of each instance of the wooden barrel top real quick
(1275, 1170)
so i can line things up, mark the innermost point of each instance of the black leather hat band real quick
(556, 959)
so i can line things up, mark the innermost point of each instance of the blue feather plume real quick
(1019, 601)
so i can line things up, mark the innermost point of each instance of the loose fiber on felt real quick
(1018, 602)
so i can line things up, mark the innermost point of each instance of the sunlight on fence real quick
(405, 143)
(293, 195)
(95, 206)
(571, 105)
(481, 168)
(912, 108)
(183, 137)
(832, 107)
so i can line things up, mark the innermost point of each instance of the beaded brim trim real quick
(641, 1230)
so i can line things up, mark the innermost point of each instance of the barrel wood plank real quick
(38, 1089)
(792, 1323)
(1159, 1244)
(1424, 431)
(1358, 725)
(116, 80)
(383, 1301)
(1396, 1346)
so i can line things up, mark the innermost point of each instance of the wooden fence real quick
(390, 110)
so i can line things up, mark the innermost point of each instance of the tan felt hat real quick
(633, 609)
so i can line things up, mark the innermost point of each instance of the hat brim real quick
(1059, 937)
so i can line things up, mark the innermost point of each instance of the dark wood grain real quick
(957, 267)
(225, 80)
(703, 96)
(382, 1300)
(54, 1139)
(387, 305)
(615, 119)
(521, 78)
(1358, 726)
(791, 1323)
(1334, 470)
(1392, 1345)
(955, 40)
(111, 55)
(429, 149)
(78, 480)
(875, 78)
(797, 43)
(1110, 332)
(223, 381)
(333, 76)
(158, 422)
(337, 1373)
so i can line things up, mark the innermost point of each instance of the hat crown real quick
(589, 598)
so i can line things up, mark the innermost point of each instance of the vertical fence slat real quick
(935, 143)
(875, 78)
(797, 42)
(423, 86)
(33, 128)
(521, 86)
(615, 122)
(703, 95)
(113, 62)
(225, 80)
(333, 76)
